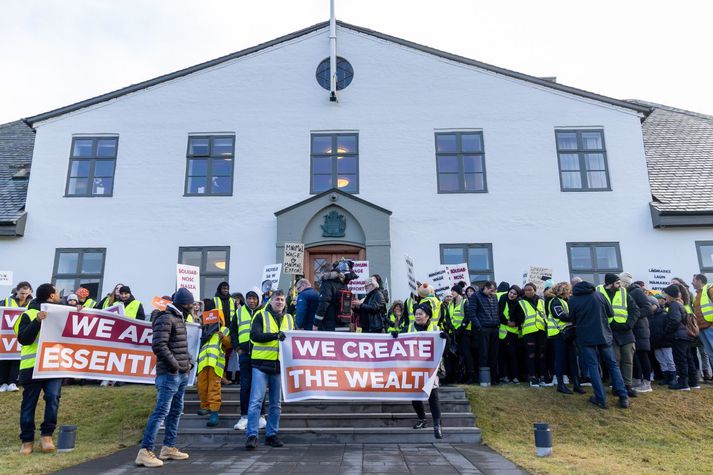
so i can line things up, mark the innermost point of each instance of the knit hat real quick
(457, 289)
(124, 289)
(82, 293)
(183, 297)
(549, 283)
(72, 297)
(426, 307)
(626, 279)
(672, 291)
(610, 279)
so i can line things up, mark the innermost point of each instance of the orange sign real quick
(213, 316)
(160, 303)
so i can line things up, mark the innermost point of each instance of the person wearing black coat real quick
(331, 289)
(512, 316)
(482, 313)
(642, 335)
(663, 327)
(563, 342)
(684, 349)
(372, 309)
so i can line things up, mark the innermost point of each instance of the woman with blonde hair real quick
(562, 334)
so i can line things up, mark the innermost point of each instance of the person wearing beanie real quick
(511, 319)
(482, 313)
(84, 299)
(684, 348)
(222, 301)
(72, 300)
(132, 307)
(626, 313)
(642, 334)
(173, 363)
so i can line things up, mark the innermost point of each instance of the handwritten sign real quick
(659, 278)
(6, 277)
(358, 285)
(411, 274)
(293, 258)
(272, 273)
(535, 274)
(458, 273)
(189, 277)
(440, 281)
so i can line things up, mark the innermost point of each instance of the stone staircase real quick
(334, 422)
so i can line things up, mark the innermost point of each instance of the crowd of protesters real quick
(568, 333)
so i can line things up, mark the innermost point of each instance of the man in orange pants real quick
(211, 367)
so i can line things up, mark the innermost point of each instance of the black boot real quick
(437, 429)
(576, 387)
(421, 424)
(631, 391)
(562, 388)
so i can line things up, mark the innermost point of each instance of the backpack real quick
(344, 306)
(691, 325)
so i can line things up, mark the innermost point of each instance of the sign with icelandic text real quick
(364, 366)
(6, 277)
(458, 273)
(440, 281)
(293, 258)
(358, 285)
(189, 277)
(9, 346)
(659, 278)
(272, 273)
(411, 274)
(95, 344)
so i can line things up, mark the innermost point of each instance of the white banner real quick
(358, 285)
(9, 346)
(359, 366)
(189, 277)
(293, 258)
(272, 273)
(95, 344)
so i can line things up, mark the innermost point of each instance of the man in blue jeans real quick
(267, 329)
(173, 363)
(590, 312)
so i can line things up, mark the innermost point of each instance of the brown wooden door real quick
(318, 260)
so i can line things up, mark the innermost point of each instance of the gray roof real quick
(17, 140)
(460, 59)
(679, 155)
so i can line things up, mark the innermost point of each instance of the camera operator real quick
(334, 295)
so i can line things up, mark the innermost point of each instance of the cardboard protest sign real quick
(9, 346)
(334, 365)
(272, 273)
(440, 281)
(189, 277)
(95, 344)
(160, 303)
(458, 273)
(293, 258)
(535, 274)
(411, 274)
(358, 285)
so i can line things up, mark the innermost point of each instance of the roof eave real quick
(680, 218)
(14, 227)
(338, 192)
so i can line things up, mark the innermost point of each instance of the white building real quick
(439, 157)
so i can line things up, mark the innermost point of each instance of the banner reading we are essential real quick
(9, 346)
(329, 365)
(96, 344)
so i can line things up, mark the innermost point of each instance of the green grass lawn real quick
(107, 420)
(664, 431)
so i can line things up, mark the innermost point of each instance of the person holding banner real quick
(173, 363)
(27, 328)
(9, 368)
(132, 307)
(111, 298)
(372, 308)
(268, 327)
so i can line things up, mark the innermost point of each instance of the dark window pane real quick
(480, 279)
(216, 261)
(106, 148)
(103, 168)
(479, 258)
(447, 164)
(197, 185)
(198, 167)
(199, 146)
(606, 257)
(347, 183)
(346, 144)
(586, 277)
(210, 284)
(92, 285)
(581, 257)
(473, 163)
(78, 186)
(446, 143)
(92, 262)
(567, 140)
(321, 144)
(594, 161)
(80, 168)
(706, 253)
(453, 255)
(321, 183)
(592, 141)
(322, 165)
(191, 258)
(102, 186)
(82, 148)
(448, 182)
(569, 161)
(222, 184)
(474, 182)
(472, 143)
(223, 167)
(597, 179)
(223, 147)
(68, 263)
(571, 180)
(346, 164)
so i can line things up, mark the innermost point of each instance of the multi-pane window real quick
(74, 268)
(460, 161)
(214, 263)
(210, 165)
(91, 166)
(705, 258)
(334, 162)
(582, 160)
(592, 260)
(479, 258)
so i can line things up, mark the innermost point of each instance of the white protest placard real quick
(458, 273)
(440, 282)
(659, 278)
(358, 285)
(272, 273)
(189, 277)
(293, 258)
(411, 274)
(6, 277)
(535, 274)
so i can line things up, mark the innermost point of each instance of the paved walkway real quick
(396, 459)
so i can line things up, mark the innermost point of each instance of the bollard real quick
(485, 376)
(67, 438)
(543, 439)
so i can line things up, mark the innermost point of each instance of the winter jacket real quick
(677, 312)
(372, 312)
(307, 302)
(663, 326)
(329, 293)
(515, 313)
(482, 311)
(27, 332)
(209, 304)
(170, 342)
(624, 332)
(140, 315)
(590, 311)
(642, 332)
(257, 334)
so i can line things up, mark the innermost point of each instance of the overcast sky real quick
(56, 52)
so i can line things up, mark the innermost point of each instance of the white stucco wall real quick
(398, 99)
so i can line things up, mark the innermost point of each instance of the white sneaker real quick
(565, 378)
(262, 422)
(242, 423)
(555, 380)
(104, 383)
(11, 388)
(3, 388)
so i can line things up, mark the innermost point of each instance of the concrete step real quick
(202, 437)
(338, 420)
(233, 392)
(232, 406)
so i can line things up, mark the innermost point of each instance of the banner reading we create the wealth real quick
(95, 344)
(9, 346)
(329, 365)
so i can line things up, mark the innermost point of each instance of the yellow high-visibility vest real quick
(28, 353)
(457, 314)
(618, 303)
(432, 327)
(132, 309)
(218, 303)
(212, 353)
(534, 317)
(706, 304)
(505, 329)
(270, 351)
(554, 324)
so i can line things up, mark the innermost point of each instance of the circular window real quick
(345, 73)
